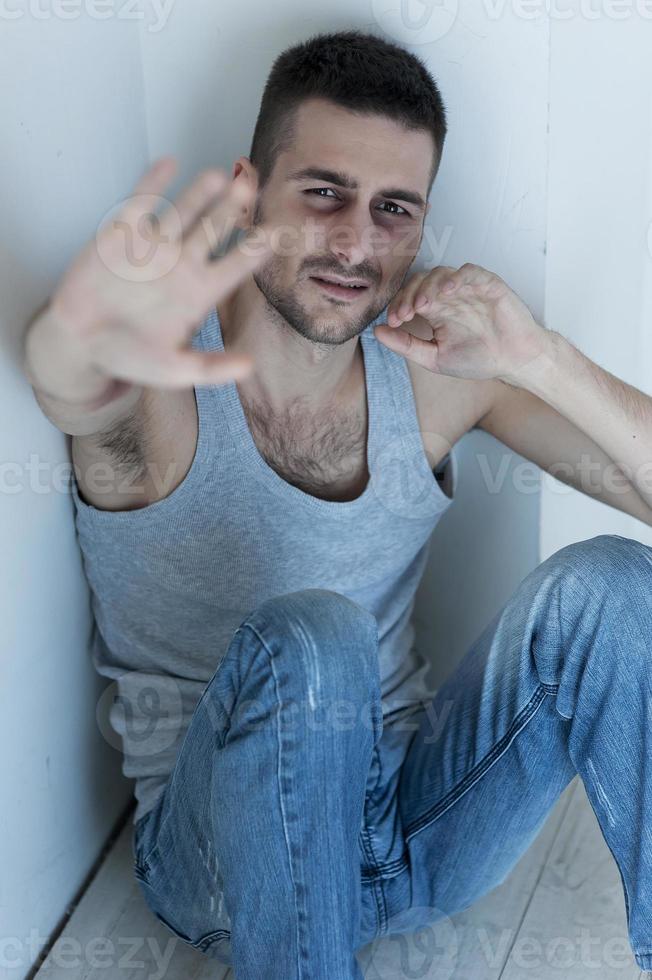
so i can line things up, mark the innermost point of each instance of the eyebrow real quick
(342, 180)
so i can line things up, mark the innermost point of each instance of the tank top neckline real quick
(229, 397)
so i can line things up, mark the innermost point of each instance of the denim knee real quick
(607, 563)
(328, 641)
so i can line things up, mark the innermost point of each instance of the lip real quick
(342, 292)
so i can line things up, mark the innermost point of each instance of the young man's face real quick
(369, 230)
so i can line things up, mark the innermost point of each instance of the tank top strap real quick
(397, 416)
(399, 444)
(205, 337)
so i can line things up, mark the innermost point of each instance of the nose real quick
(351, 239)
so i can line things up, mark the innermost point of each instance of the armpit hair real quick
(126, 443)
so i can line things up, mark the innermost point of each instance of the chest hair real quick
(323, 455)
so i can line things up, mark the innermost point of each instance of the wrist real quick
(55, 368)
(537, 367)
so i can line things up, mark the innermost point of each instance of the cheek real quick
(395, 249)
(405, 242)
(396, 277)
(288, 250)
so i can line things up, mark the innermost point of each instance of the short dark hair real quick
(357, 71)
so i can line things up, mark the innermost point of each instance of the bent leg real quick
(264, 807)
(558, 683)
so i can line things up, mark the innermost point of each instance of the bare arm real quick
(535, 429)
(95, 402)
(599, 411)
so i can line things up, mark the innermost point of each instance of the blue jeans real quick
(296, 827)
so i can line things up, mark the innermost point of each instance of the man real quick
(254, 515)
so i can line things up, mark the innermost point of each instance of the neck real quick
(287, 366)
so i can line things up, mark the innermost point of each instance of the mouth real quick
(340, 288)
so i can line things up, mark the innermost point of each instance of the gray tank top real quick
(172, 581)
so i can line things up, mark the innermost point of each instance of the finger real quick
(467, 274)
(224, 274)
(216, 223)
(422, 352)
(180, 216)
(419, 294)
(140, 363)
(400, 308)
(211, 368)
(157, 176)
(153, 182)
(432, 287)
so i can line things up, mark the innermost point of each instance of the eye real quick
(318, 191)
(400, 209)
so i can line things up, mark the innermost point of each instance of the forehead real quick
(371, 147)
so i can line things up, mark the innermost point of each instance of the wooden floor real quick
(560, 914)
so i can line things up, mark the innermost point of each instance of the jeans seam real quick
(519, 723)
(366, 832)
(210, 938)
(280, 790)
(144, 863)
(389, 870)
(375, 755)
(141, 860)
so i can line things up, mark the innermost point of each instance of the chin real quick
(333, 323)
(331, 326)
(315, 317)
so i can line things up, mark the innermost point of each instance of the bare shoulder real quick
(447, 407)
(142, 457)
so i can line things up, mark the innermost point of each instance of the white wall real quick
(73, 141)
(599, 268)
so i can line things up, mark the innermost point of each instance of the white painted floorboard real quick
(560, 914)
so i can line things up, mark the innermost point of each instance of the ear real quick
(244, 171)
